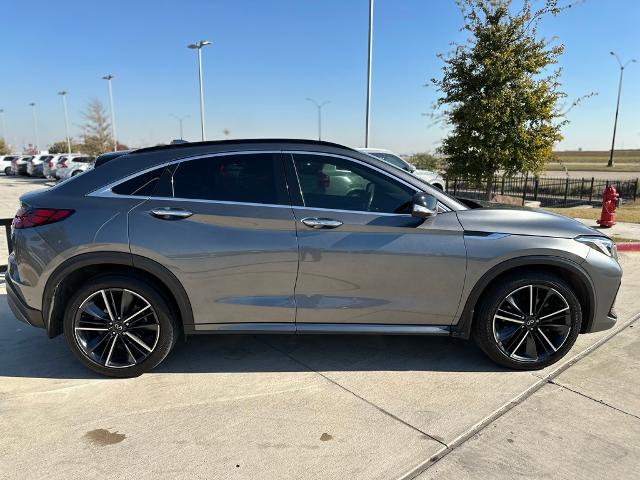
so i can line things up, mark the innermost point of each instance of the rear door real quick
(223, 225)
(363, 258)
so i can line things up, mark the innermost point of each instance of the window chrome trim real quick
(355, 160)
(107, 192)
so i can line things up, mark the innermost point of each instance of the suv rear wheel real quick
(119, 325)
(528, 322)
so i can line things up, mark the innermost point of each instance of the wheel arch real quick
(568, 270)
(60, 284)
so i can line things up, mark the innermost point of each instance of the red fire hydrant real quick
(609, 203)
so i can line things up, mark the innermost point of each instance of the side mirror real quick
(424, 205)
(410, 168)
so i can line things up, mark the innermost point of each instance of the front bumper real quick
(20, 309)
(606, 275)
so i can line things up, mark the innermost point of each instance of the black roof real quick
(247, 141)
(106, 157)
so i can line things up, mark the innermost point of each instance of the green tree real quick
(498, 95)
(97, 128)
(425, 161)
(4, 148)
(61, 147)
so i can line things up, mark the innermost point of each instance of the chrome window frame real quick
(107, 191)
(445, 207)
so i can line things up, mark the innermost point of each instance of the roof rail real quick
(239, 141)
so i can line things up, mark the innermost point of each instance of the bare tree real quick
(97, 128)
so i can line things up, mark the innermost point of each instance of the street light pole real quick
(63, 94)
(319, 106)
(108, 78)
(35, 124)
(369, 57)
(198, 46)
(180, 119)
(615, 123)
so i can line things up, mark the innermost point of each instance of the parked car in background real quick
(5, 163)
(36, 164)
(71, 165)
(434, 178)
(252, 237)
(19, 164)
(51, 166)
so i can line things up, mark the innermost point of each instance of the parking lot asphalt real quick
(325, 407)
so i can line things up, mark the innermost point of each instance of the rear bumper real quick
(20, 309)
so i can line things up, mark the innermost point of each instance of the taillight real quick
(34, 217)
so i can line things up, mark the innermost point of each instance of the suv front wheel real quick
(119, 325)
(528, 322)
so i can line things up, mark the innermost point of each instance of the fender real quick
(114, 258)
(463, 327)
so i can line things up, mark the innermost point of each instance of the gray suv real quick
(254, 236)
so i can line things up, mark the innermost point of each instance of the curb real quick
(628, 247)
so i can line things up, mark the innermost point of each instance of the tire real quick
(7, 171)
(518, 340)
(116, 353)
(76, 172)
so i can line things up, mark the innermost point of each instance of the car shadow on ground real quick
(26, 351)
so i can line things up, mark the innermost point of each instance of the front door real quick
(224, 226)
(363, 258)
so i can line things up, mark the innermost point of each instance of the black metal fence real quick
(551, 192)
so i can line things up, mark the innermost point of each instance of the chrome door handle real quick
(321, 222)
(169, 213)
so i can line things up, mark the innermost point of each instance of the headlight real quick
(602, 244)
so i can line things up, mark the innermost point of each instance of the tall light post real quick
(180, 119)
(63, 94)
(615, 123)
(108, 78)
(319, 106)
(35, 124)
(4, 127)
(198, 46)
(369, 58)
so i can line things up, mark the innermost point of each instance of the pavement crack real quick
(602, 402)
(358, 396)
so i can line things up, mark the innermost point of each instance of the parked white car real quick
(434, 178)
(72, 165)
(36, 164)
(5, 163)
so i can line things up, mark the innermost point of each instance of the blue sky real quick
(268, 56)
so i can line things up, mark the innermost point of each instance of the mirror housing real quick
(424, 205)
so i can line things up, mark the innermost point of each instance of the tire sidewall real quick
(168, 329)
(483, 331)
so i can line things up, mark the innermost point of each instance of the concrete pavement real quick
(325, 407)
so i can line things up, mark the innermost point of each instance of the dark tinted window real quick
(140, 186)
(329, 182)
(82, 159)
(248, 178)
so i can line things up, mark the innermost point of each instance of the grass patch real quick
(592, 167)
(601, 157)
(627, 213)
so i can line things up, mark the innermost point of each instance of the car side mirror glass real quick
(424, 205)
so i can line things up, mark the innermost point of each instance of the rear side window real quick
(246, 178)
(140, 186)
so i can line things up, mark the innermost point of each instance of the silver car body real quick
(246, 267)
